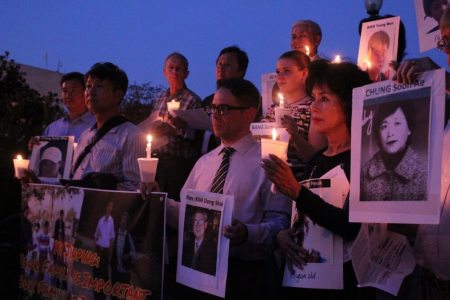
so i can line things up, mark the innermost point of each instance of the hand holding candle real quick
(173, 105)
(20, 165)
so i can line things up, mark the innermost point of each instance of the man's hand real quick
(294, 253)
(147, 188)
(237, 233)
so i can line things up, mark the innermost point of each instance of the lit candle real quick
(149, 146)
(368, 64)
(272, 146)
(173, 105)
(281, 98)
(20, 165)
(337, 59)
(307, 52)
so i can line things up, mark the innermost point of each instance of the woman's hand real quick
(281, 175)
(294, 253)
(147, 188)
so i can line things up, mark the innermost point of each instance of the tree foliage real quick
(138, 101)
(23, 111)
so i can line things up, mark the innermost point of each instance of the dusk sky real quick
(138, 35)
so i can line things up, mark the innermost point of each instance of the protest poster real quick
(51, 159)
(325, 259)
(378, 46)
(381, 258)
(88, 243)
(202, 249)
(428, 14)
(396, 151)
(269, 91)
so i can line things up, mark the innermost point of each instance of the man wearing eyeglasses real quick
(258, 213)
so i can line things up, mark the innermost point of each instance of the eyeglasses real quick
(443, 43)
(223, 109)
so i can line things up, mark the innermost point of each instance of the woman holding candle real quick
(331, 86)
(292, 71)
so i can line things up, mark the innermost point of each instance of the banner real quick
(88, 244)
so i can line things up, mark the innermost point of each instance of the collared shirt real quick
(115, 153)
(181, 145)
(263, 212)
(104, 232)
(432, 246)
(66, 127)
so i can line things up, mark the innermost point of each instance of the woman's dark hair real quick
(340, 78)
(389, 108)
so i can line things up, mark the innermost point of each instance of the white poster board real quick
(396, 151)
(378, 46)
(202, 249)
(325, 267)
(427, 23)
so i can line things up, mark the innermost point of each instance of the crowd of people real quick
(228, 160)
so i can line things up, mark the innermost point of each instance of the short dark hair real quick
(76, 76)
(427, 6)
(180, 56)
(340, 78)
(110, 71)
(389, 108)
(245, 92)
(242, 57)
(301, 59)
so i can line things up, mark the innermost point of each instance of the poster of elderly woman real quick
(396, 151)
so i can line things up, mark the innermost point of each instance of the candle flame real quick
(337, 59)
(281, 98)
(173, 100)
(274, 134)
(368, 64)
(149, 138)
(307, 50)
(19, 157)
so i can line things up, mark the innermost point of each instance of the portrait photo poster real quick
(427, 24)
(51, 159)
(71, 263)
(269, 91)
(202, 249)
(378, 46)
(324, 269)
(396, 147)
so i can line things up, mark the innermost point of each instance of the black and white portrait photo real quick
(394, 148)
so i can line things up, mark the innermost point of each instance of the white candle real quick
(173, 105)
(307, 52)
(337, 59)
(148, 149)
(272, 146)
(281, 98)
(20, 165)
